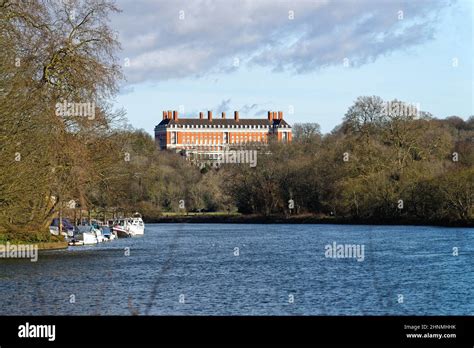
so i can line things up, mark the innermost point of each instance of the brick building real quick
(206, 138)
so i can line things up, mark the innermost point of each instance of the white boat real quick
(87, 235)
(129, 227)
(88, 238)
(136, 225)
(108, 233)
(98, 233)
(98, 229)
(67, 230)
(121, 228)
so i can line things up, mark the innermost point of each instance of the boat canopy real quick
(66, 224)
(84, 228)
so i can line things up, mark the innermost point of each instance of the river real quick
(248, 269)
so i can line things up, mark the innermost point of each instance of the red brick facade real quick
(213, 135)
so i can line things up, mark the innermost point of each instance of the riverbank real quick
(53, 244)
(299, 219)
(41, 245)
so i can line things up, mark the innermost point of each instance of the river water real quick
(244, 269)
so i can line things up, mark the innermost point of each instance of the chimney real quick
(169, 114)
(236, 116)
(175, 115)
(270, 116)
(209, 115)
(223, 115)
(165, 115)
(201, 116)
(280, 115)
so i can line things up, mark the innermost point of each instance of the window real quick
(173, 137)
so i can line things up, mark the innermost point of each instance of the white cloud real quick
(213, 33)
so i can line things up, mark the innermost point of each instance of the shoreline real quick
(52, 245)
(303, 219)
(41, 245)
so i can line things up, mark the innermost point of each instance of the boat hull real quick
(121, 233)
(137, 230)
(88, 238)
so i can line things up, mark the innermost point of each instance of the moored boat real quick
(86, 234)
(136, 225)
(67, 228)
(108, 233)
(121, 228)
(129, 227)
(97, 229)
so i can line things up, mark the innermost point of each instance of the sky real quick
(308, 58)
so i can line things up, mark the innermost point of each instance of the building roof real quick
(224, 122)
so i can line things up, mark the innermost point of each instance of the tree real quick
(365, 116)
(306, 132)
(52, 53)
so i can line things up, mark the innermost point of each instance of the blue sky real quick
(189, 63)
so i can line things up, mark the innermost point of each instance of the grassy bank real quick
(41, 245)
(44, 242)
(52, 246)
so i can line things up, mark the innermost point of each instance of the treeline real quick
(374, 167)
